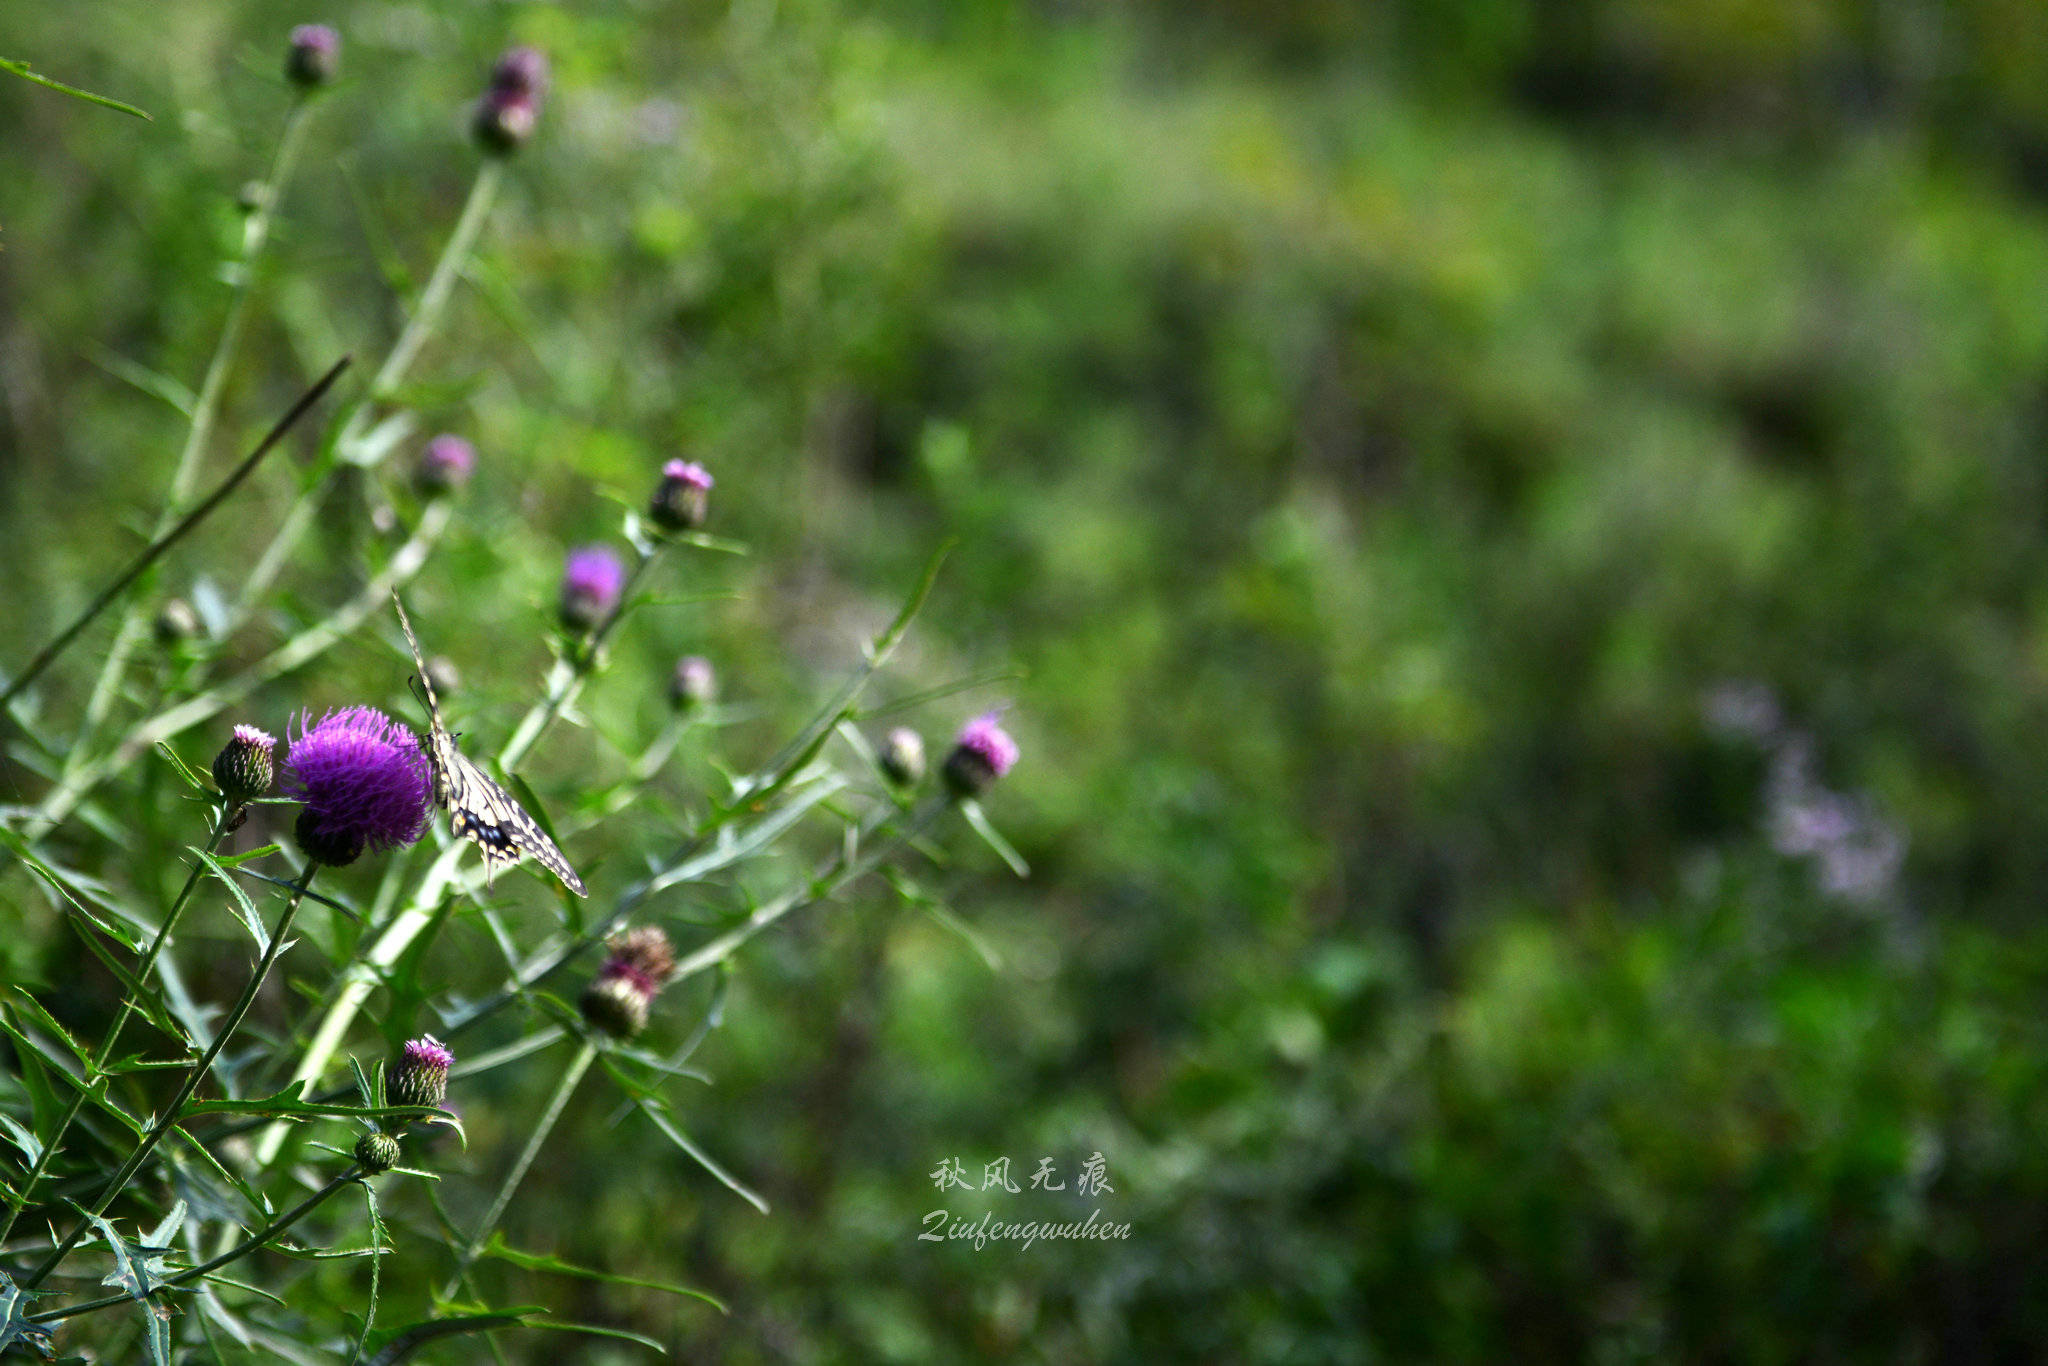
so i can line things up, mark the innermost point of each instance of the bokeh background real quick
(1519, 529)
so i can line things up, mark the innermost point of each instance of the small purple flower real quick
(245, 767)
(419, 1074)
(592, 580)
(445, 465)
(314, 56)
(510, 109)
(694, 683)
(363, 779)
(983, 753)
(618, 1000)
(682, 500)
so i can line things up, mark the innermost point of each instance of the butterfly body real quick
(479, 810)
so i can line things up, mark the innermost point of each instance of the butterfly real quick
(478, 809)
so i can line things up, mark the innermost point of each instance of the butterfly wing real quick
(484, 813)
(479, 810)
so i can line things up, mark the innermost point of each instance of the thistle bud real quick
(314, 56)
(419, 1074)
(592, 580)
(694, 683)
(175, 622)
(444, 466)
(244, 768)
(376, 1152)
(983, 753)
(618, 1000)
(510, 109)
(902, 757)
(682, 499)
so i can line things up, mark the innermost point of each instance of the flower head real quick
(314, 56)
(693, 684)
(510, 109)
(682, 499)
(377, 1152)
(983, 753)
(444, 466)
(592, 580)
(618, 999)
(175, 622)
(244, 768)
(902, 757)
(419, 1074)
(364, 781)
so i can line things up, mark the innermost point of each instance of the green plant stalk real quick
(418, 327)
(301, 649)
(107, 1045)
(822, 886)
(199, 429)
(571, 1075)
(254, 1242)
(567, 677)
(119, 1180)
(206, 406)
(156, 548)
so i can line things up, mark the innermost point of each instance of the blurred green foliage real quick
(1373, 428)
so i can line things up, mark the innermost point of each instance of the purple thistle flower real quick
(682, 499)
(419, 1074)
(363, 779)
(983, 753)
(445, 465)
(618, 1000)
(592, 580)
(244, 768)
(510, 109)
(314, 56)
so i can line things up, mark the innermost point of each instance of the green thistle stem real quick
(573, 1074)
(205, 406)
(348, 445)
(299, 650)
(119, 1180)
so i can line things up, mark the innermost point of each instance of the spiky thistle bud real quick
(175, 622)
(902, 757)
(314, 56)
(510, 109)
(444, 466)
(682, 500)
(618, 1000)
(377, 1152)
(245, 766)
(693, 684)
(419, 1074)
(983, 753)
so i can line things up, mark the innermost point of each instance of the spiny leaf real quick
(21, 69)
(403, 1342)
(656, 1112)
(977, 818)
(244, 908)
(536, 1261)
(31, 1147)
(14, 1324)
